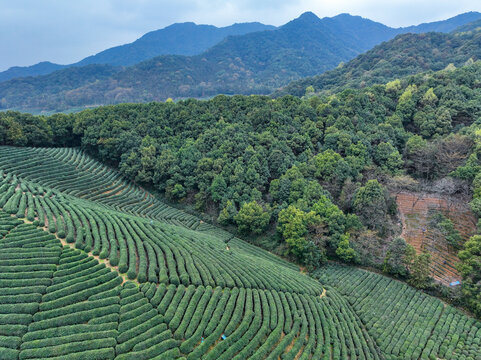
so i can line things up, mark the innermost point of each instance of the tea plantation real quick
(94, 267)
(405, 323)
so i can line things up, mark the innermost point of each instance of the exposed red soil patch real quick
(415, 211)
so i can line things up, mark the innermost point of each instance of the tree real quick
(446, 227)
(130, 164)
(420, 157)
(147, 160)
(407, 104)
(227, 214)
(396, 257)
(313, 256)
(15, 135)
(371, 206)
(388, 158)
(452, 152)
(177, 192)
(431, 122)
(393, 86)
(330, 166)
(344, 250)
(429, 98)
(218, 188)
(333, 217)
(369, 247)
(419, 271)
(470, 269)
(252, 218)
(293, 225)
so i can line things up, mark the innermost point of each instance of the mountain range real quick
(177, 39)
(257, 62)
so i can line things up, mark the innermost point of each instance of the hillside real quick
(97, 267)
(446, 26)
(417, 212)
(388, 308)
(42, 68)
(255, 63)
(308, 179)
(92, 296)
(404, 55)
(176, 39)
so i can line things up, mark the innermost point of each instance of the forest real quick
(310, 179)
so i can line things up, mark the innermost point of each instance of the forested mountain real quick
(472, 26)
(406, 54)
(255, 63)
(62, 81)
(177, 39)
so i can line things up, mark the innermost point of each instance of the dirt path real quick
(323, 293)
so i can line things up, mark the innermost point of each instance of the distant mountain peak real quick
(305, 20)
(308, 16)
(345, 15)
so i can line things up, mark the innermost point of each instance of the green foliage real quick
(256, 63)
(177, 191)
(441, 332)
(429, 98)
(470, 269)
(397, 257)
(388, 62)
(344, 250)
(371, 205)
(218, 188)
(419, 270)
(446, 226)
(388, 158)
(294, 226)
(252, 218)
(227, 214)
(330, 166)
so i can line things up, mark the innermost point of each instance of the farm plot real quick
(416, 212)
(404, 322)
(195, 292)
(72, 172)
(64, 304)
(149, 250)
(199, 298)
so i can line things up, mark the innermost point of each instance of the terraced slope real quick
(72, 172)
(66, 255)
(416, 211)
(405, 323)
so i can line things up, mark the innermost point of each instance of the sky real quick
(66, 31)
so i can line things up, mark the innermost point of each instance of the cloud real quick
(66, 31)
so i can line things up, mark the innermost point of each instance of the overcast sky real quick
(65, 31)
